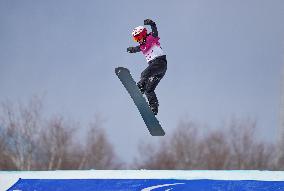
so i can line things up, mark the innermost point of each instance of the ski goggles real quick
(137, 38)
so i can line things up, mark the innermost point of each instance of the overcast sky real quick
(224, 59)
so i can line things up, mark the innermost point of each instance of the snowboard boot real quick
(154, 108)
(141, 87)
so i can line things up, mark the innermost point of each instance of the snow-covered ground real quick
(9, 178)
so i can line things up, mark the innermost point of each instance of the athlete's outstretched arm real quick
(153, 26)
(133, 49)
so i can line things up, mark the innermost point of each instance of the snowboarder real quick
(157, 62)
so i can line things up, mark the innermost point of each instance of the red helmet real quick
(139, 33)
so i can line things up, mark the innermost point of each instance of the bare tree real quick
(5, 160)
(28, 142)
(20, 129)
(247, 151)
(216, 151)
(56, 143)
(185, 147)
(98, 153)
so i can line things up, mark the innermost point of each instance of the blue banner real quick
(144, 185)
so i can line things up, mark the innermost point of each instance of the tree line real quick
(30, 142)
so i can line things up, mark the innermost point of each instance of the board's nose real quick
(117, 70)
(120, 69)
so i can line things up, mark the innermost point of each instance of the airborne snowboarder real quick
(157, 62)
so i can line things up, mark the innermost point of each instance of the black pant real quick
(151, 76)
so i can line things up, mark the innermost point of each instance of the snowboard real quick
(148, 116)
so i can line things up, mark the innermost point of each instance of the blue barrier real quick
(144, 185)
(141, 180)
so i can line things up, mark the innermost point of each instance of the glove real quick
(148, 22)
(130, 49)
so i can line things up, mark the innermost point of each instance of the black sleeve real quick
(133, 49)
(153, 26)
(154, 29)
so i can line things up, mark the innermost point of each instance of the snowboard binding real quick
(154, 108)
(141, 87)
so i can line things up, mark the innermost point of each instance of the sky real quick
(225, 59)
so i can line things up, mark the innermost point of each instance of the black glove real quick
(130, 49)
(148, 22)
